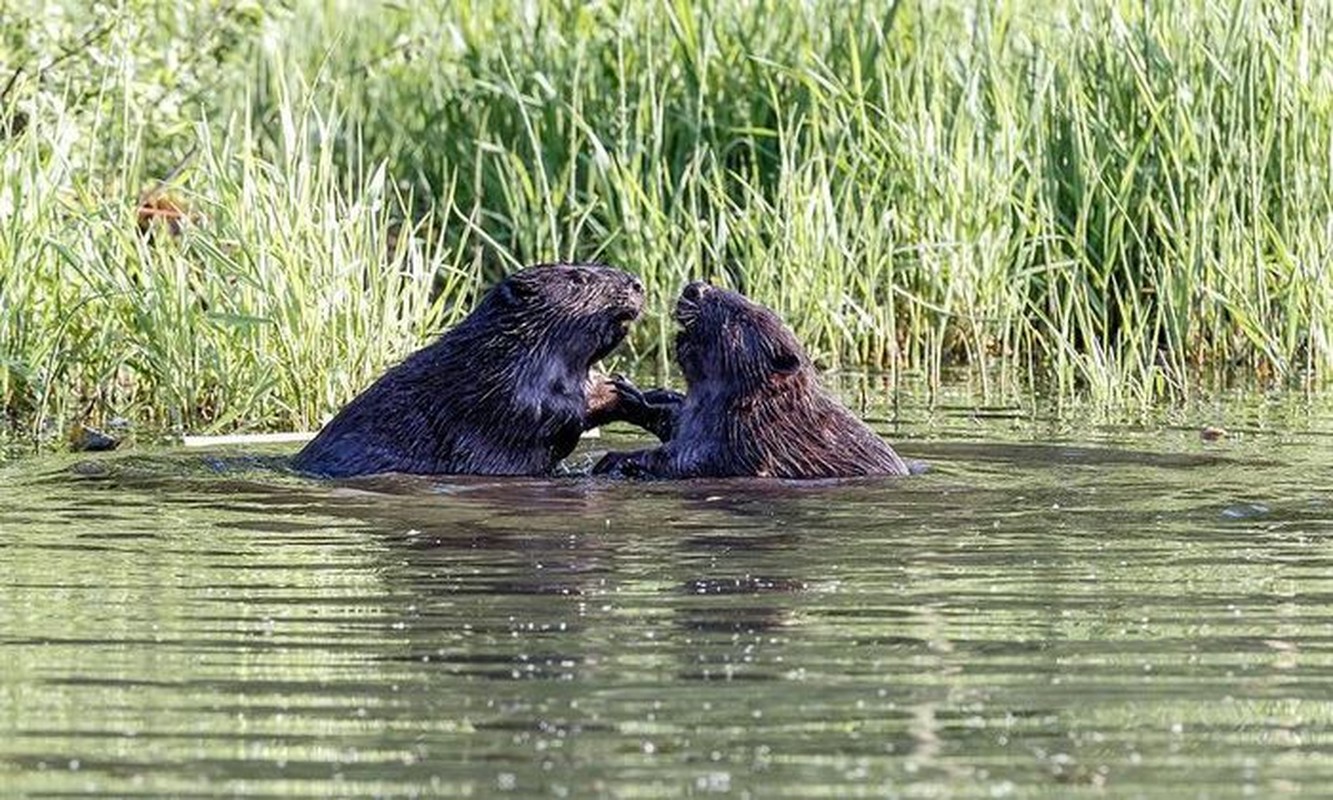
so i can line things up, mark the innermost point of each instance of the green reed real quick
(1120, 200)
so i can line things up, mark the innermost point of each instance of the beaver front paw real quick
(621, 465)
(654, 410)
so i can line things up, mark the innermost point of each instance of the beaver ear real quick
(515, 292)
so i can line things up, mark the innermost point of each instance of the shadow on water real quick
(1148, 615)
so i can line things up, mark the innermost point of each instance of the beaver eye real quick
(786, 363)
(694, 290)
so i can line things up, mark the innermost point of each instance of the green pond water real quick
(1054, 610)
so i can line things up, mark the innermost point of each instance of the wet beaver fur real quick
(506, 392)
(753, 407)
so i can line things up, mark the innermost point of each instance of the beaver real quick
(506, 392)
(752, 407)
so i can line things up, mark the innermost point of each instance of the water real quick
(1053, 611)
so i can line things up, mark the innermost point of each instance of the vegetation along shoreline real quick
(232, 217)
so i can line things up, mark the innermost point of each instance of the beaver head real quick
(733, 344)
(581, 311)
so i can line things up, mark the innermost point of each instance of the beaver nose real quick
(694, 290)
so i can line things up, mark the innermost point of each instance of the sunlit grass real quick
(292, 287)
(1098, 200)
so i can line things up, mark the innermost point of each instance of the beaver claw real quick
(653, 410)
(619, 465)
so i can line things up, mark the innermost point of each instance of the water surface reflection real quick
(1149, 615)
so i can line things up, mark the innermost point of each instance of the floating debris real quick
(83, 439)
(247, 439)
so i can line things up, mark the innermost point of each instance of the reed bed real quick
(1123, 201)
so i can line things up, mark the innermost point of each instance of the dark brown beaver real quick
(753, 406)
(506, 392)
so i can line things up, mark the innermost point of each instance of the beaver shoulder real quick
(503, 393)
(753, 405)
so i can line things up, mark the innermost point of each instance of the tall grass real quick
(1120, 200)
(293, 286)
